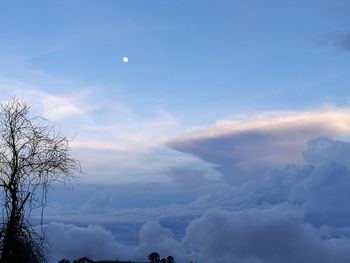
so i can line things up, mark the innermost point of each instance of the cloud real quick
(73, 242)
(58, 107)
(154, 166)
(324, 191)
(112, 143)
(279, 235)
(297, 188)
(97, 203)
(186, 177)
(127, 133)
(261, 236)
(54, 107)
(96, 242)
(101, 123)
(298, 213)
(319, 187)
(154, 237)
(249, 147)
(326, 151)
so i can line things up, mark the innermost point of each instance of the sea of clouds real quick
(297, 213)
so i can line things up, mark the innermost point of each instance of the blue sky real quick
(226, 111)
(189, 58)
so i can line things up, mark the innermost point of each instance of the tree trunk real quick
(11, 232)
(9, 245)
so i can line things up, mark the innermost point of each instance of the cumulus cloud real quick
(319, 187)
(73, 242)
(247, 148)
(285, 221)
(261, 236)
(96, 242)
(324, 192)
(154, 237)
(294, 214)
(298, 213)
(325, 151)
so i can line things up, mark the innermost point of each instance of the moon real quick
(125, 59)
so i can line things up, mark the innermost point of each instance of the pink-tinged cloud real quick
(250, 146)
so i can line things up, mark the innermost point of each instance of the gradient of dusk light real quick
(224, 139)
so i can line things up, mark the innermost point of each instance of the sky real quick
(224, 138)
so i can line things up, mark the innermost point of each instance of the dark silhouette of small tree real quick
(32, 156)
(64, 261)
(163, 260)
(170, 259)
(84, 260)
(154, 257)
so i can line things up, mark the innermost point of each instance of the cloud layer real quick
(256, 235)
(297, 213)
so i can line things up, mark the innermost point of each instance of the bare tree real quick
(32, 156)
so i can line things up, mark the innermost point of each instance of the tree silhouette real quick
(84, 260)
(170, 259)
(163, 260)
(154, 257)
(32, 156)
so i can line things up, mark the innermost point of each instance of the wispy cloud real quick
(56, 107)
(100, 124)
(129, 133)
(110, 139)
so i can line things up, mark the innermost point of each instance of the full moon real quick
(125, 59)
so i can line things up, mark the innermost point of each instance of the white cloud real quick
(331, 119)
(53, 107)
(247, 148)
(103, 127)
(58, 107)
(128, 133)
